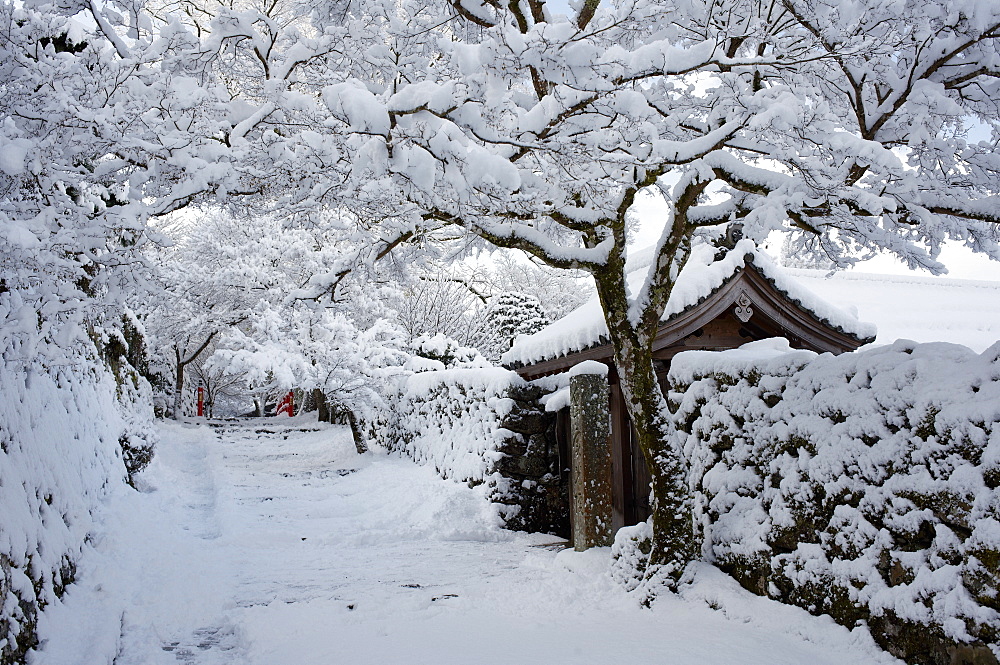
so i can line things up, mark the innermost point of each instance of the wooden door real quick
(639, 507)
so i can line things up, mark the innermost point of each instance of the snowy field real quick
(259, 543)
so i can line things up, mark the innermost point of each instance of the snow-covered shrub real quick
(630, 554)
(63, 426)
(122, 349)
(137, 438)
(447, 351)
(863, 485)
(75, 424)
(451, 419)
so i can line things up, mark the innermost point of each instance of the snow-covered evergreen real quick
(507, 316)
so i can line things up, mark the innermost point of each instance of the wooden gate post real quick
(590, 427)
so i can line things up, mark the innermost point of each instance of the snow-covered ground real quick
(266, 543)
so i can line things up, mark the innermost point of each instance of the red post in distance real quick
(286, 405)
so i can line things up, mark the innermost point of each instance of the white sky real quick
(961, 262)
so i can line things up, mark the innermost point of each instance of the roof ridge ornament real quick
(728, 240)
(734, 233)
(743, 310)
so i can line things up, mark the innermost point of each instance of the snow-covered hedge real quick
(63, 426)
(451, 420)
(862, 485)
(486, 427)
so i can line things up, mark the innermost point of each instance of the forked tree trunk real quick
(180, 364)
(673, 544)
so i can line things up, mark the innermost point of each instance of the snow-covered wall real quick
(451, 420)
(485, 427)
(862, 485)
(63, 426)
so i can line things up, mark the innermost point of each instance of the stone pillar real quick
(590, 427)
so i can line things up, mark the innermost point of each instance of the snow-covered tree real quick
(558, 292)
(318, 349)
(804, 251)
(70, 233)
(508, 315)
(206, 288)
(415, 123)
(444, 302)
(225, 392)
(222, 270)
(461, 301)
(536, 131)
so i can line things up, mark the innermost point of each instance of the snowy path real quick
(258, 544)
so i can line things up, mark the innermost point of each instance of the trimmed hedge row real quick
(863, 486)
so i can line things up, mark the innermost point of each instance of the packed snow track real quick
(274, 543)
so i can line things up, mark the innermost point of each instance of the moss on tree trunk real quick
(674, 545)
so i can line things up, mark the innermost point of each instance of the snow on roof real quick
(916, 307)
(585, 326)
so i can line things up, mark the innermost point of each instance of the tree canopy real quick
(405, 127)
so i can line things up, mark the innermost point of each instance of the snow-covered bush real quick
(451, 419)
(863, 486)
(508, 315)
(63, 428)
(122, 349)
(447, 351)
(630, 554)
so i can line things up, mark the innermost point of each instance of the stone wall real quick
(539, 479)
(862, 486)
(483, 427)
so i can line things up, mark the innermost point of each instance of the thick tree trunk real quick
(673, 535)
(674, 545)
